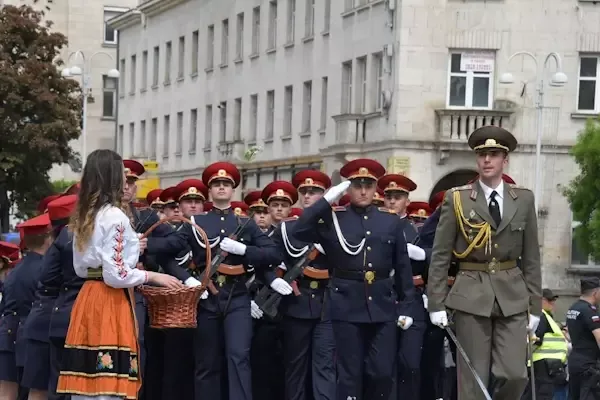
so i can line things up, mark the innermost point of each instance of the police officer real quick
(583, 323)
(364, 244)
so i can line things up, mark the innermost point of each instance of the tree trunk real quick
(4, 211)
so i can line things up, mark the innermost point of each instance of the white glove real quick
(233, 247)
(255, 311)
(193, 282)
(415, 252)
(282, 266)
(534, 321)
(439, 318)
(281, 287)
(404, 322)
(336, 192)
(425, 301)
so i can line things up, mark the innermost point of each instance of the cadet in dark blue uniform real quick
(9, 322)
(170, 204)
(36, 373)
(224, 319)
(363, 245)
(418, 212)
(308, 341)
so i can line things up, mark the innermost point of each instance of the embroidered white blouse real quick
(114, 247)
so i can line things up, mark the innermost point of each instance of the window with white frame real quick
(307, 107)
(109, 97)
(193, 130)
(122, 81)
(131, 149)
(270, 123)
(256, 30)
(166, 135)
(142, 151)
(210, 47)
(237, 121)
(144, 82)
(272, 25)
(239, 41)
(378, 80)
(309, 29)
(153, 138)
(179, 137)
(120, 140)
(168, 63)
(579, 257)
(324, 88)
(208, 126)
(361, 84)
(155, 66)
(588, 86)
(224, 42)
(195, 48)
(222, 122)
(291, 21)
(288, 109)
(111, 35)
(346, 87)
(181, 58)
(133, 71)
(471, 80)
(253, 117)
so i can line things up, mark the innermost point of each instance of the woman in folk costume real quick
(100, 359)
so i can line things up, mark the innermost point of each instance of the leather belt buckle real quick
(370, 277)
(314, 285)
(221, 280)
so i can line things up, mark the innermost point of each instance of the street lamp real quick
(76, 70)
(558, 79)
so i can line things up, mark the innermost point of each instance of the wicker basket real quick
(175, 308)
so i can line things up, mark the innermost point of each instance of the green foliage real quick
(62, 185)
(41, 110)
(583, 192)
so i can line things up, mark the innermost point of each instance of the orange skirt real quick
(100, 357)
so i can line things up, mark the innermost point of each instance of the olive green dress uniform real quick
(492, 295)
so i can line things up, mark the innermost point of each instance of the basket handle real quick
(206, 281)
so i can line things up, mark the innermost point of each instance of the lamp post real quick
(559, 79)
(75, 70)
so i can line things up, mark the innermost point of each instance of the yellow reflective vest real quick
(554, 344)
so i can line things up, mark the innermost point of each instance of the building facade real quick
(280, 85)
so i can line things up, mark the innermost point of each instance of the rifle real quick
(268, 300)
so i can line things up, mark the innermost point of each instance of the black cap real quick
(549, 295)
(589, 284)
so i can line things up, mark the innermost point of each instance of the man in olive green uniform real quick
(491, 228)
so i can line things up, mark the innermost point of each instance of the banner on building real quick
(477, 61)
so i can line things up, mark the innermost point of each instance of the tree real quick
(61, 185)
(40, 111)
(583, 192)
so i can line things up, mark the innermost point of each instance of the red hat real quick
(139, 205)
(396, 183)
(418, 209)
(39, 225)
(73, 189)
(505, 178)
(311, 178)
(168, 196)
(60, 210)
(153, 198)
(191, 189)
(221, 171)
(207, 206)
(437, 199)
(9, 252)
(280, 190)
(295, 212)
(254, 200)
(378, 198)
(43, 204)
(240, 208)
(133, 169)
(344, 200)
(364, 168)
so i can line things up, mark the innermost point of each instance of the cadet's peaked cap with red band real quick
(505, 178)
(73, 189)
(9, 251)
(39, 225)
(295, 212)
(418, 209)
(311, 178)
(168, 196)
(221, 171)
(239, 208)
(139, 205)
(43, 204)
(396, 183)
(363, 168)
(133, 169)
(344, 200)
(254, 199)
(153, 198)
(191, 189)
(437, 199)
(207, 206)
(378, 197)
(280, 190)
(60, 210)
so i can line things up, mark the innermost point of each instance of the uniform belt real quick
(229, 274)
(487, 266)
(418, 280)
(314, 273)
(313, 284)
(366, 275)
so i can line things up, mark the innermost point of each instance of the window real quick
(588, 89)
(109, 97)
(208, 127)
(153, 138)
(131, 149)
(122, 80)
(361, 84)
(111, 35)
(310, 18)
(255, 30)
(272, 25)
(144, 82)
(120, 140)
(324, 87)
(181, 63)
(224, 42)
(468, 89)
(579, 257)
(239, 40)
(253, 117)
(155, 66)
(179, 138)
(291, 21)
(166, 135)
(169, 55)
(143, 138)
(210, 47)
(237, 123)
(347, 87)
(269, 125)
(307, 107)
(378, 80)
(193, 129)
(288, 104)
(222, 122)
(195, 48)
(327, 15)
(133, 77)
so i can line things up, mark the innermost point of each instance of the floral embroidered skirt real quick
(100, 357)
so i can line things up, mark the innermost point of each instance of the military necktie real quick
(494, 208)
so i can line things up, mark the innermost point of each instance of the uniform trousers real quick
(584, 384)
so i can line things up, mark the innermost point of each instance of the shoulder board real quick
(385, 210)
(289, 219)
(465, 187)
(513, 186)
(338, 208)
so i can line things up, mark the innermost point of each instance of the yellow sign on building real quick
(398, 165)
(150, 180)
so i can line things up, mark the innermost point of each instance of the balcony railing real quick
(456, 125)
